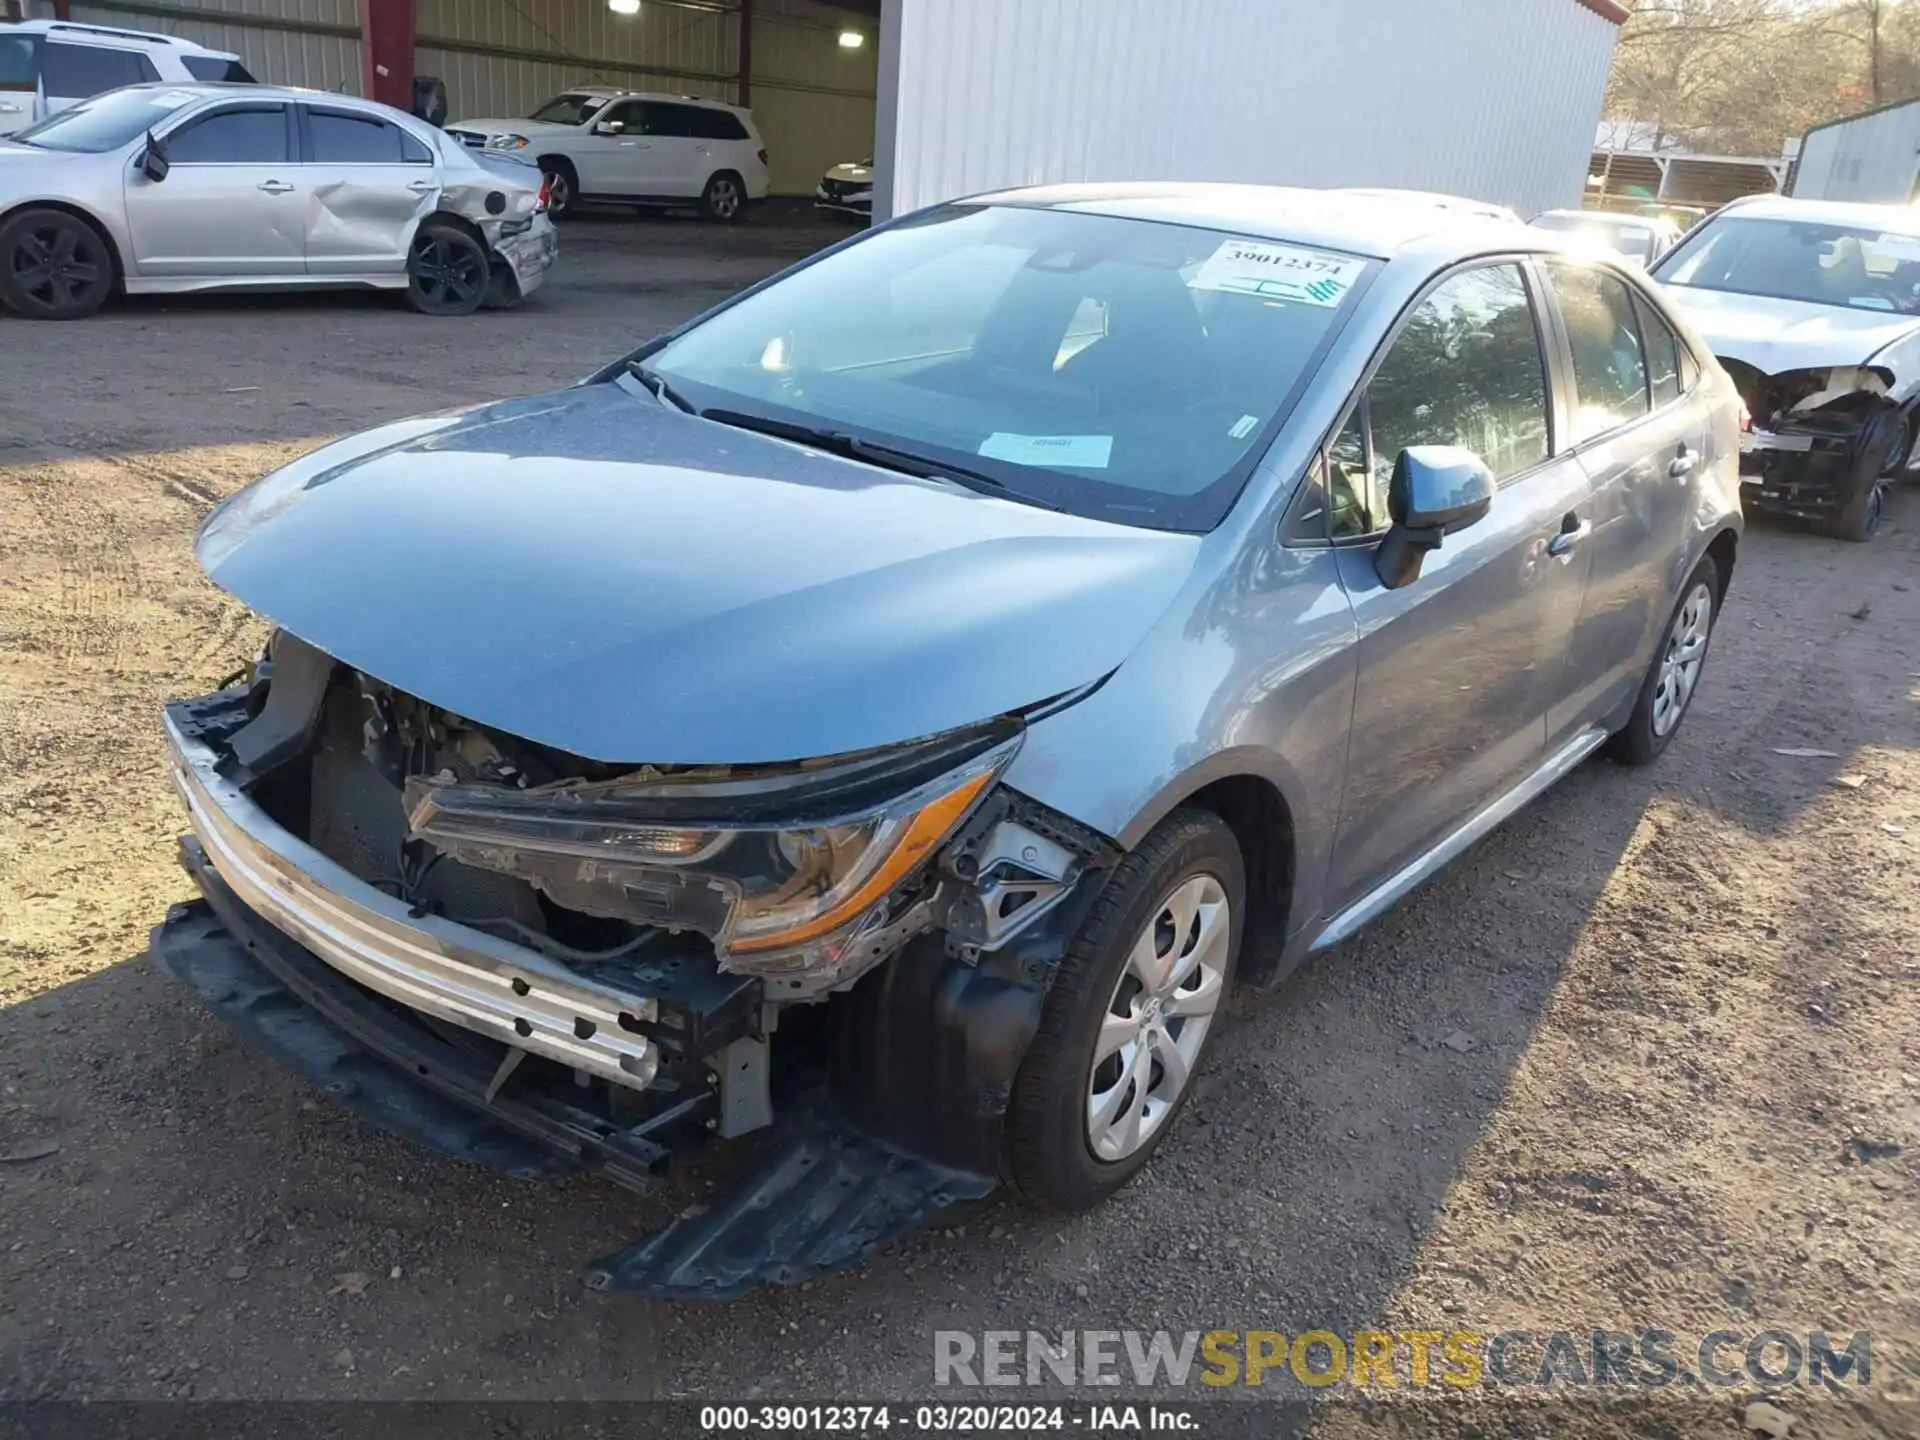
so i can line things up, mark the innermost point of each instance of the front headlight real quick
(508, 142)
(776, 892)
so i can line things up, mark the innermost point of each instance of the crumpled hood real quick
(601, 574)
(1775, 336)
(851, 174)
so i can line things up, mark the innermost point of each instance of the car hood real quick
(1775, 336)
(851, 173)
(596, 572)
(529, 128)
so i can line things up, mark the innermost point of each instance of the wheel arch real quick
(1723, 549)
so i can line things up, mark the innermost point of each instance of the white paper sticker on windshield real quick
(1899, 247)
(1074, 452)
(1244, 426)
(1279, 272)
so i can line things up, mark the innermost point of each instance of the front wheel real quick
(447, 271)
(1674, 675)
(54, 266)
(1126, 1024)
(724, 198)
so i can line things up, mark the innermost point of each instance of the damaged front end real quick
(547, 963)
(1820, 439)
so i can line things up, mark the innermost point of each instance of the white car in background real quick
(628, 147)
(47, 65)
(847, 189)
(1642, 239)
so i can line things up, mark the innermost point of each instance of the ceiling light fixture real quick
(624, 7)
(851, 39)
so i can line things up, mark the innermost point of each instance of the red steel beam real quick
(386, 52)
(746, 53)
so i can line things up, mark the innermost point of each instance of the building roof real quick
(1606, 10)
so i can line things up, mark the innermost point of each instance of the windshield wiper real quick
(841, 442)
(657, 385)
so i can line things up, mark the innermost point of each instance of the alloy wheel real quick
(57, 264)
(559, 192)
(723, 198)
(1158, 1017)
(1680, 662)
(449, 273)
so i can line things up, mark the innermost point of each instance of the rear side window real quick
(718, 125)
(1467, 370)
(1609, 360)
(1663, 354)
(256, 135)
(669, 120)
(76, 71)
(16, 62)
(341, 139)
(214, 68)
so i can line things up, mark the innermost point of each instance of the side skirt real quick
(1376, 900)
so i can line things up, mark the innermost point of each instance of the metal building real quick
(1491, 100)
(1873, 156)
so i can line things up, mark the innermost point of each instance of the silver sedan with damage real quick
(163, 189)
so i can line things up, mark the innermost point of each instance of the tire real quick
(1656, 720)
(1881, 456)
(54, 266)
(447, 270)
(725, 198)
(563, 186)
(1063, 1150)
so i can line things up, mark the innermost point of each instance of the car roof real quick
(614, 92)
(218, 89)
(75, 30)
(1381, 224)
(1901, 219)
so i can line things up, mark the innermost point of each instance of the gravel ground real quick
(1646, 1057)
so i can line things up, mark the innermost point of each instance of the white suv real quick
(47, 65)
(629, 147)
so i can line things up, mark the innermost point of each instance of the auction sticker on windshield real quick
(1279, 272)
(1073, 452)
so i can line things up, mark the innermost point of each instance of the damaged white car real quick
(1814, 310)
(165, 189)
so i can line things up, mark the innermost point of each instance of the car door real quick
(231, 204)
(1456, 670)
(19, 81)
(616, 155)
(685, 148)
(367, 184)
(71, 72)
(1642, 442)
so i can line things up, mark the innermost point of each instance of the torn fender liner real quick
(822, 1197)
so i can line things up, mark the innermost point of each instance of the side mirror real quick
(154, 163)
(1435, 491)
(608, 127)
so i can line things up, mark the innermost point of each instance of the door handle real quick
(1683, 465)
(1569, 536)
(421, 187)
(275, 187)
(8, 108)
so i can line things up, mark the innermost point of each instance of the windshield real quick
(108, 121)
(1636, 239)
(1822, 264)
(1123, 369)
(569, 109)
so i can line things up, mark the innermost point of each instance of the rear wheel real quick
(447, 272)
(54, 266)
(724, 198)
(1674, 675)
(1126, 1024)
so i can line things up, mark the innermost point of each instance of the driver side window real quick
(1465, 369)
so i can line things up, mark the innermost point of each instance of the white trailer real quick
(1874, 156)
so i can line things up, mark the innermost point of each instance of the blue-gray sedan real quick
(891, 711)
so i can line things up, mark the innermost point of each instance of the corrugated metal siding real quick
(1874, 157)
(1493, 101)
(812, 100)
(279, 54)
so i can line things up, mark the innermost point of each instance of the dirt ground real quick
(1647, 1057)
